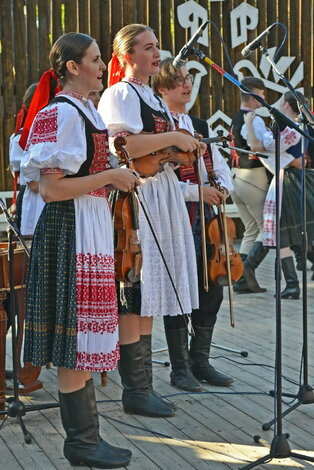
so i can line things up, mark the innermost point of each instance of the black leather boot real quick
(181, 375)
(92, 397)
(199, 354)
(255, 257)
(82, 445)
(241, 286)
(146, 343)
(137, 396)
(292, 289)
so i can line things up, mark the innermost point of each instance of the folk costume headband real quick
(40, 99)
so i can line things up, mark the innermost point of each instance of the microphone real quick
(179, 60)
(247, 50)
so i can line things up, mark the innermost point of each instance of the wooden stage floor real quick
(213, 430)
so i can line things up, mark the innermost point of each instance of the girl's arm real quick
(55, 187)
(139, 145)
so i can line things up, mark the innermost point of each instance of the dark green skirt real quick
(50, 320)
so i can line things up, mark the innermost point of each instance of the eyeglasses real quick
(181, 80)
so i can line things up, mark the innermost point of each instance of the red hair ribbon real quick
(115, 71)
(20, 118)
(40, 99)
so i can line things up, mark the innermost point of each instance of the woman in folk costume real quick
(29, 204)
(290, 191)
(130, 108)
(71, 307)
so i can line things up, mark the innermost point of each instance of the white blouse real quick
(57, 137)
(121, 109)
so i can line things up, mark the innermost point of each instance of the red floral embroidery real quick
(101, 192)
(74, 94)
(51, 171)
(97, 309)
(101, 159)
(44, 128)
(98, 362)
(161, 125)
(289, 136)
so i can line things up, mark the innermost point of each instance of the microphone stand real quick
(279, 447)
(16, 408)
(305, 395)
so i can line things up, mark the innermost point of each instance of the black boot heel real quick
(291, 293)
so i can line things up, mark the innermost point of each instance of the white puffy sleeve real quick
(15, 152)
(56, 140)
(120, 110)
(258, 126)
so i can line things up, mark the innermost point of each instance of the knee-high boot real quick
(93, 404)
(181, 375)
(199, 354)
(137, 396)
(83, 445)
(255, 257)
(292, 289)
(241, 286)
(146, 343)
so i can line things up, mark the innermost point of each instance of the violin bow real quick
(227, 251)
(197, 164)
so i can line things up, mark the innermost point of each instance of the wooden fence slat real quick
(164, 33)
(32, 42)
(57, 29)
(19, 50)
(8, 93)
(83, 14)
(71, 15)
(43, 33)
(95, 20)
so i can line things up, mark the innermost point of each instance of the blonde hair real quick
(125, 40)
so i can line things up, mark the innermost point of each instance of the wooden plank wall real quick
(29, 27)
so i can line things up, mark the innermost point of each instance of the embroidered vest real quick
(98, 156)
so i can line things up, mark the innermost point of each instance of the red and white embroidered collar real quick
(135, 80)
(74, 94)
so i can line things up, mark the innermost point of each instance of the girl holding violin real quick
(190, 363)
(129, 108)
(71, 306)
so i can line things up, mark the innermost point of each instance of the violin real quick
(153, 163)
(225, 265)
(127, 254)
(217, 266)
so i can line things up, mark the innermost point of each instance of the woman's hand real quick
(248, 117)
(123, 179)
(187, 142)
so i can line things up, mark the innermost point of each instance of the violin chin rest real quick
(133, 277)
